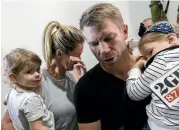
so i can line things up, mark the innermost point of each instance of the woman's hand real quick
(79, 65)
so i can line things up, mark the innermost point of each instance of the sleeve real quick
(138, 84)
(33, 108)
(85, 103)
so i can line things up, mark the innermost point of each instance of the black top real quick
(101, 96)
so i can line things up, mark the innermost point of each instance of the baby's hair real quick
(153, 36)
(17, 59)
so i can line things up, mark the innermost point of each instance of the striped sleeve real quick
(138, 84)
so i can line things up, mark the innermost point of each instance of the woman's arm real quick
(6, 123)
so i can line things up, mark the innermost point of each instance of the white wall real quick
(23, 23)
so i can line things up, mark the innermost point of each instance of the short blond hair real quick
(94, 15)
(57, 36)
(17, 59)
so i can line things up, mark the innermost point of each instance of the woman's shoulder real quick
(70, 77)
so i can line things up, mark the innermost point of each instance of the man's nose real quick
(104, 47)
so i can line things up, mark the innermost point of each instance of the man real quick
(100, 95)
(144, 26)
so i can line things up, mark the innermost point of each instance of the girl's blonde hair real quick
(60, 37)
(17, 59)
(153, 36)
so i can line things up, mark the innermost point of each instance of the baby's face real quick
(150, 49)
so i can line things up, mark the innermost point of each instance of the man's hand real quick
(90, 126)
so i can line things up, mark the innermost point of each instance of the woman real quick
(62, 47)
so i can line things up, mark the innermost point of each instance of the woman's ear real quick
(13, 78)
(59, 53)
(125, 31)
(172, 39)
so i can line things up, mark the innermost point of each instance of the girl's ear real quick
(172, 38)
(13, 78)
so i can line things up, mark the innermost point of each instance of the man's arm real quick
(90, 126)
(85, 105)
(6, 123)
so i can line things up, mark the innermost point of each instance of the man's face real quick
(107, 41)
(148, 23)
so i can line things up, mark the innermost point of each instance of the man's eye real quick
(108, 39)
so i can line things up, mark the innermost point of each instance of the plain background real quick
(23, 23)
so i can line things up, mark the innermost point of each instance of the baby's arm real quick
(37, 125)
(138, 84)
(34, 111)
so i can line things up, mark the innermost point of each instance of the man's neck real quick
(121, 67)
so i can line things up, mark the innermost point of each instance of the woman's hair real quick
(17, 59)
(153, 36)
(60, 37)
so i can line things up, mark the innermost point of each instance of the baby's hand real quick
(140, 63)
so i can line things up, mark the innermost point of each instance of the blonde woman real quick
(62, 48)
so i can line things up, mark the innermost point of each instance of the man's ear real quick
(172, 39)
(59, 53)
(13, 78)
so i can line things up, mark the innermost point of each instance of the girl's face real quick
(29, 76)
(150, 49)
(66, 62)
